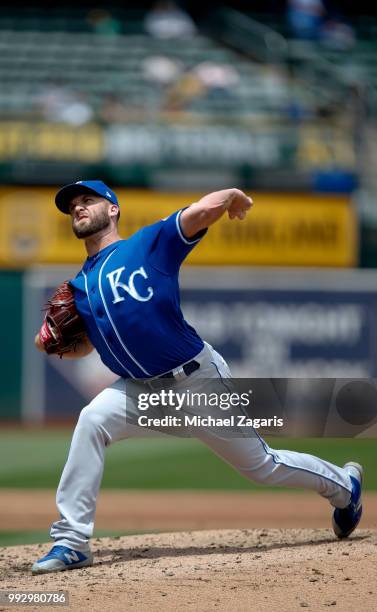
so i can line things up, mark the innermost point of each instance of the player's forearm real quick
(207, 211)
(211, 208)
(83, 348)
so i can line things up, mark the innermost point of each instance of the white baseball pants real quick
(103, 422)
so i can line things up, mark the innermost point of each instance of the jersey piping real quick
(179, 230)
(112, 322)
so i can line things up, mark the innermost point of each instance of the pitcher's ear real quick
(114, 210)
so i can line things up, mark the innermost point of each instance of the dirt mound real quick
(259, 569)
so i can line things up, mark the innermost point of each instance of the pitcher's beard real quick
(100, 222)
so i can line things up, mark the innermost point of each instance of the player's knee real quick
(250, 474)
(260, 473)
(91, 417)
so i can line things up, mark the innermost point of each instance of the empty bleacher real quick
(60, 50)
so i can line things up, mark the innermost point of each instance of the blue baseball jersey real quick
(128, 296)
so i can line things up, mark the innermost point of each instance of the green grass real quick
(15, 538)
(34, 459)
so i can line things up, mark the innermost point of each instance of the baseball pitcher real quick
(126, 299)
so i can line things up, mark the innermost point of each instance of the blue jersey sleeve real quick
(170, 246)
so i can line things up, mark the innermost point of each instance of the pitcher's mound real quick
(262, 570)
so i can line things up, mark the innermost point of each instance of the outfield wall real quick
(280, 323)
(11, 321)
(266, 322)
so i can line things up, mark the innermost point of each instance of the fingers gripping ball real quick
(63, 328)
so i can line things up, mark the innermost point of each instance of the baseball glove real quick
(63, 328)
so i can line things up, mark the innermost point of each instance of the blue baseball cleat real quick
(62, 558)
(345, 520)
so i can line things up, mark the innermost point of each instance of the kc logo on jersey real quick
(116, 284)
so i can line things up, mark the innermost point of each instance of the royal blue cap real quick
(66, 193)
